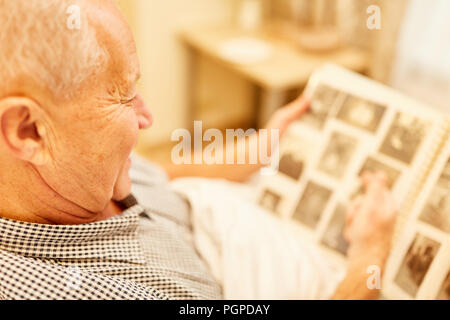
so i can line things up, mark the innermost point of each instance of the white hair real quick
(38, 41)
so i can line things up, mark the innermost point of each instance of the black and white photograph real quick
(404, 137)
(338, 154)
(374, 165)
(312, 204)
(437, 209)
(361, 113)
(270, 200)
(291, 165)
(334, 234)
(322, 101)
(416, 263)
(444, 291)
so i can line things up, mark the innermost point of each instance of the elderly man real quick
(69, 119)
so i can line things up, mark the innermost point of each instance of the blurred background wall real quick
(421, 67)
(185, 77)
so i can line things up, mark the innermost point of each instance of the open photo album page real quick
(355, 124)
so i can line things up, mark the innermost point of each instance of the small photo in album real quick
(334, 233)
(291, 166)
(322, 102)
(436, 211)
(416, 263)
(361, 113)
(404, 138)
(374, 165)
(337, 155)
(312, 204)
(270, 200)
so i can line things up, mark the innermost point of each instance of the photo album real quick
(355, 124)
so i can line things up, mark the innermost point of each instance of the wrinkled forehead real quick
(115, 36)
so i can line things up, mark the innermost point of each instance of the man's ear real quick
(20, 129)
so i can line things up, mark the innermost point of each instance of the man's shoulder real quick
(151, 187)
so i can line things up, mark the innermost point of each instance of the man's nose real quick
(145, 118)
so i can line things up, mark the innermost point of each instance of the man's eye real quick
(127, 102)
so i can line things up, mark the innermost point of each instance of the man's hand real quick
(370, 225)
(370, 219)
(284, 116)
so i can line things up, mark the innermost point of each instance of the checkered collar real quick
(114, 238)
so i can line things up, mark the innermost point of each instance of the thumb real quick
(297, 107)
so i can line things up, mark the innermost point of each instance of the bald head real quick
(50, 46)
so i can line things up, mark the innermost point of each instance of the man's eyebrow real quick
(131, 86)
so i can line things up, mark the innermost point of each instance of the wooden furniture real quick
(288, 67)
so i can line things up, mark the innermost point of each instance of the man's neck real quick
(24, 196)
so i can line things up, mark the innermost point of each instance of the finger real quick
(390, 206)
(297, 107)
(382, 177)
(374, 182)
(366, 178)
(354, 207)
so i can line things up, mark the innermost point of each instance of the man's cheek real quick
(129, 138)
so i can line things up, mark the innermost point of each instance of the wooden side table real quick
(288, 67)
